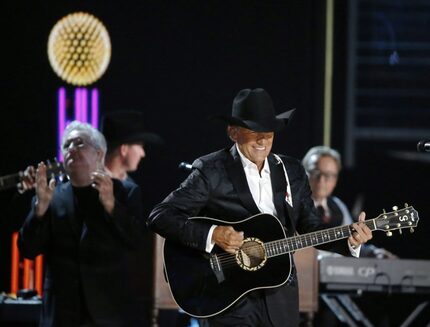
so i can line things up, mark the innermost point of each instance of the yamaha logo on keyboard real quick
(340, 271)
(349, 271)
(374, 274)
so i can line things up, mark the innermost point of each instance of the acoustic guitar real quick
(204, 285)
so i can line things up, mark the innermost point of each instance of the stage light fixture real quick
(79, 49)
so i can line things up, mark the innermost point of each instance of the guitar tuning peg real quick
(406, 205)
(389, 233)
(395, 208)
(48, 163)
(400, 230)
(383, 210)
(411, 230)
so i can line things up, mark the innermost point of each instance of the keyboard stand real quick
(346, 310)
(414, 316)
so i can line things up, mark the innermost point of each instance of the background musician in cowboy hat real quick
(231, 185)
(126, 140)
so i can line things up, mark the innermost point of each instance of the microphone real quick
(423, 146)
(185, 166)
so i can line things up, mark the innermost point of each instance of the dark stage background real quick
(180, 62)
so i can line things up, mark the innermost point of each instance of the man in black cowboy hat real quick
(126, 140)
(230, 186)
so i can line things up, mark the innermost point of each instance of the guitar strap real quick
(290, 228)
(287, 202)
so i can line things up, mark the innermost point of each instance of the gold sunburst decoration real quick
(79, 49)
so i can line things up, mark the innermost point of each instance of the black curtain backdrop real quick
(177, 62)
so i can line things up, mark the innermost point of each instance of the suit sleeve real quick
(170, 218)
(127, 216)
(34, 235)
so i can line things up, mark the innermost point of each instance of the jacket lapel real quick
(238, 178)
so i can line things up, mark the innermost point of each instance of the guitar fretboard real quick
(295, 243)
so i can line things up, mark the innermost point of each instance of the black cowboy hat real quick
(253, 109)
(126, 127)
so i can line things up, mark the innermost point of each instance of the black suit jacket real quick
(217, 188)
(98, 265)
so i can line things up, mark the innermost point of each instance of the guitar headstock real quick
(54, 169)
(397, 219)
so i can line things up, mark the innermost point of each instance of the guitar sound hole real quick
(252, 255)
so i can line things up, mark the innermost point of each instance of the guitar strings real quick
(287, 245)
(291, 244)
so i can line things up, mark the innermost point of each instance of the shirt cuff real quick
(354, 252)
(209, 244)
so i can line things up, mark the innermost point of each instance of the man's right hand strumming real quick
(227, 238)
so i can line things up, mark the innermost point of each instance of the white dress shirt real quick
(259, 184)
(260, 187)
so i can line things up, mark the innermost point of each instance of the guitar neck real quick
(54, 169)
(295, 243)
(10, 181)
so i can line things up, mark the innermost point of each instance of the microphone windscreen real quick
(423, 145)
(185, 166)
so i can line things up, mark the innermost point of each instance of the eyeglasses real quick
(76, 143)
(317, 174)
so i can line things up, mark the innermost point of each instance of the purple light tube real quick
(80, 111)
(84, 105)
(61, 118)
(95, 108)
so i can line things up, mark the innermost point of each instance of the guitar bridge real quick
(216, 268)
